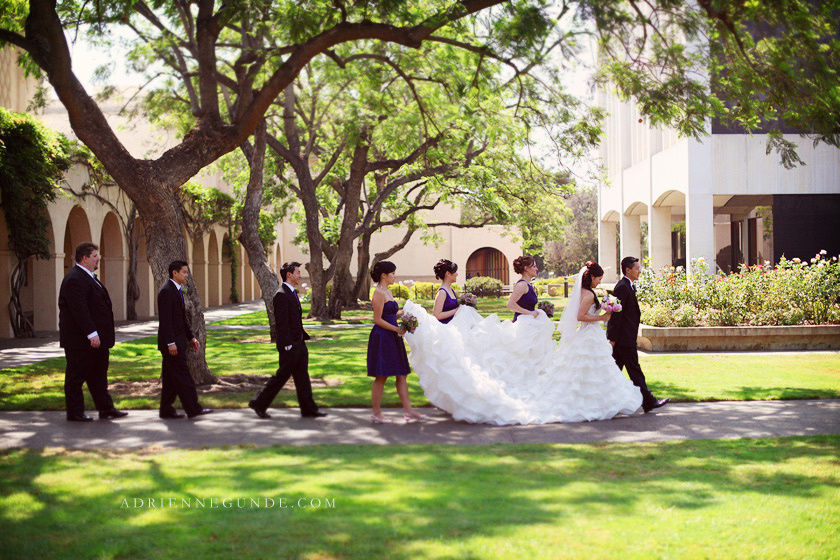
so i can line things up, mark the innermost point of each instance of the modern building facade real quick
(722, 198)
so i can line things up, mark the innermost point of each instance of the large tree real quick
(794, 57)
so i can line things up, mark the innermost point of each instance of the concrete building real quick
(716, 191)
(486, 251)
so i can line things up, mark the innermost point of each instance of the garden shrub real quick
(794, 292)
(484, 286)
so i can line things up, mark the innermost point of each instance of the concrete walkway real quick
(677, 421)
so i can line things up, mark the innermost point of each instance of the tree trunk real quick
(361, 290)
(20, 324)
(132, 289)
(166, 243)
(342, 291)
(250, 236)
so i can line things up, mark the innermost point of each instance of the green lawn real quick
(340, 354)
(769, 498)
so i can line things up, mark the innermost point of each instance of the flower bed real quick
(792, 293)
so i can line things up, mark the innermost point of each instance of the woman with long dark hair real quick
(386, 356)
(446, 300)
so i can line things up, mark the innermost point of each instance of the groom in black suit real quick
(623, 328)
(86, 332)
(174, 334)
(291, 344)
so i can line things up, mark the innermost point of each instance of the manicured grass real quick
(769, 498)
(486, 306)
(340, 354)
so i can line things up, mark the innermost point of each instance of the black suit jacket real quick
(288, 315)
(623, 327)
(84, 306)
(173, 325)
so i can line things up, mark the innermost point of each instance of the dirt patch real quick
(226, 384)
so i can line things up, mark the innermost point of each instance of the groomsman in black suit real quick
(291, 344)
(623, 328)
(86, 332)
(174, 334)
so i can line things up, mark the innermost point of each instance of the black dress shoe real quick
(172, 415)
(657, 404)
(201, 412)
(113, 413)
(261, 413)
(317, 414)
(79, 418)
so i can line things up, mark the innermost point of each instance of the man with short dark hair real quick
(623, 329)
(86, 332)
(174, 334)
(291, 344)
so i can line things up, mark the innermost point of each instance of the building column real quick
(113, 277)
(699, 206)
(631, 237)
(659, 236)
(46, 277)
(607, 257)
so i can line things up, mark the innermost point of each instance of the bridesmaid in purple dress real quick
(386, 356)
(446, 302)
(523, 298)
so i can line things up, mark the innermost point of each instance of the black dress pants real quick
(176, 381)
(628, 357)
(294, 363)
(86, 366)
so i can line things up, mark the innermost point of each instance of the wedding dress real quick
(483, 370)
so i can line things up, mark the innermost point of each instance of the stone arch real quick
(611, 216)
(40, 292)
(226, 272)
(77, 230)
(488, 261)
(214, 272)
(112, 272)
(670, 198)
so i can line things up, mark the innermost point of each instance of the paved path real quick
(680, 421)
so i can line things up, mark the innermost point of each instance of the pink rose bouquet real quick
(611, 304)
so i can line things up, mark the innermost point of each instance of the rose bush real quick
(794, 292)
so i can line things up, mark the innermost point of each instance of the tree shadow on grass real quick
(396, 502)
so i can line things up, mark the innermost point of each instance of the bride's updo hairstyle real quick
(380, 268)
(521, 263)
(443, 266)
(593, 270)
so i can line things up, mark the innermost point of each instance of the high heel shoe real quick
(377, 420)
(408, 417)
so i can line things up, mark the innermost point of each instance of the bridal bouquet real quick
(468, 299)
(408, 322)
(548, 307)
(611, 304)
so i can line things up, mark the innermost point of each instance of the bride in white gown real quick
(484, 370)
